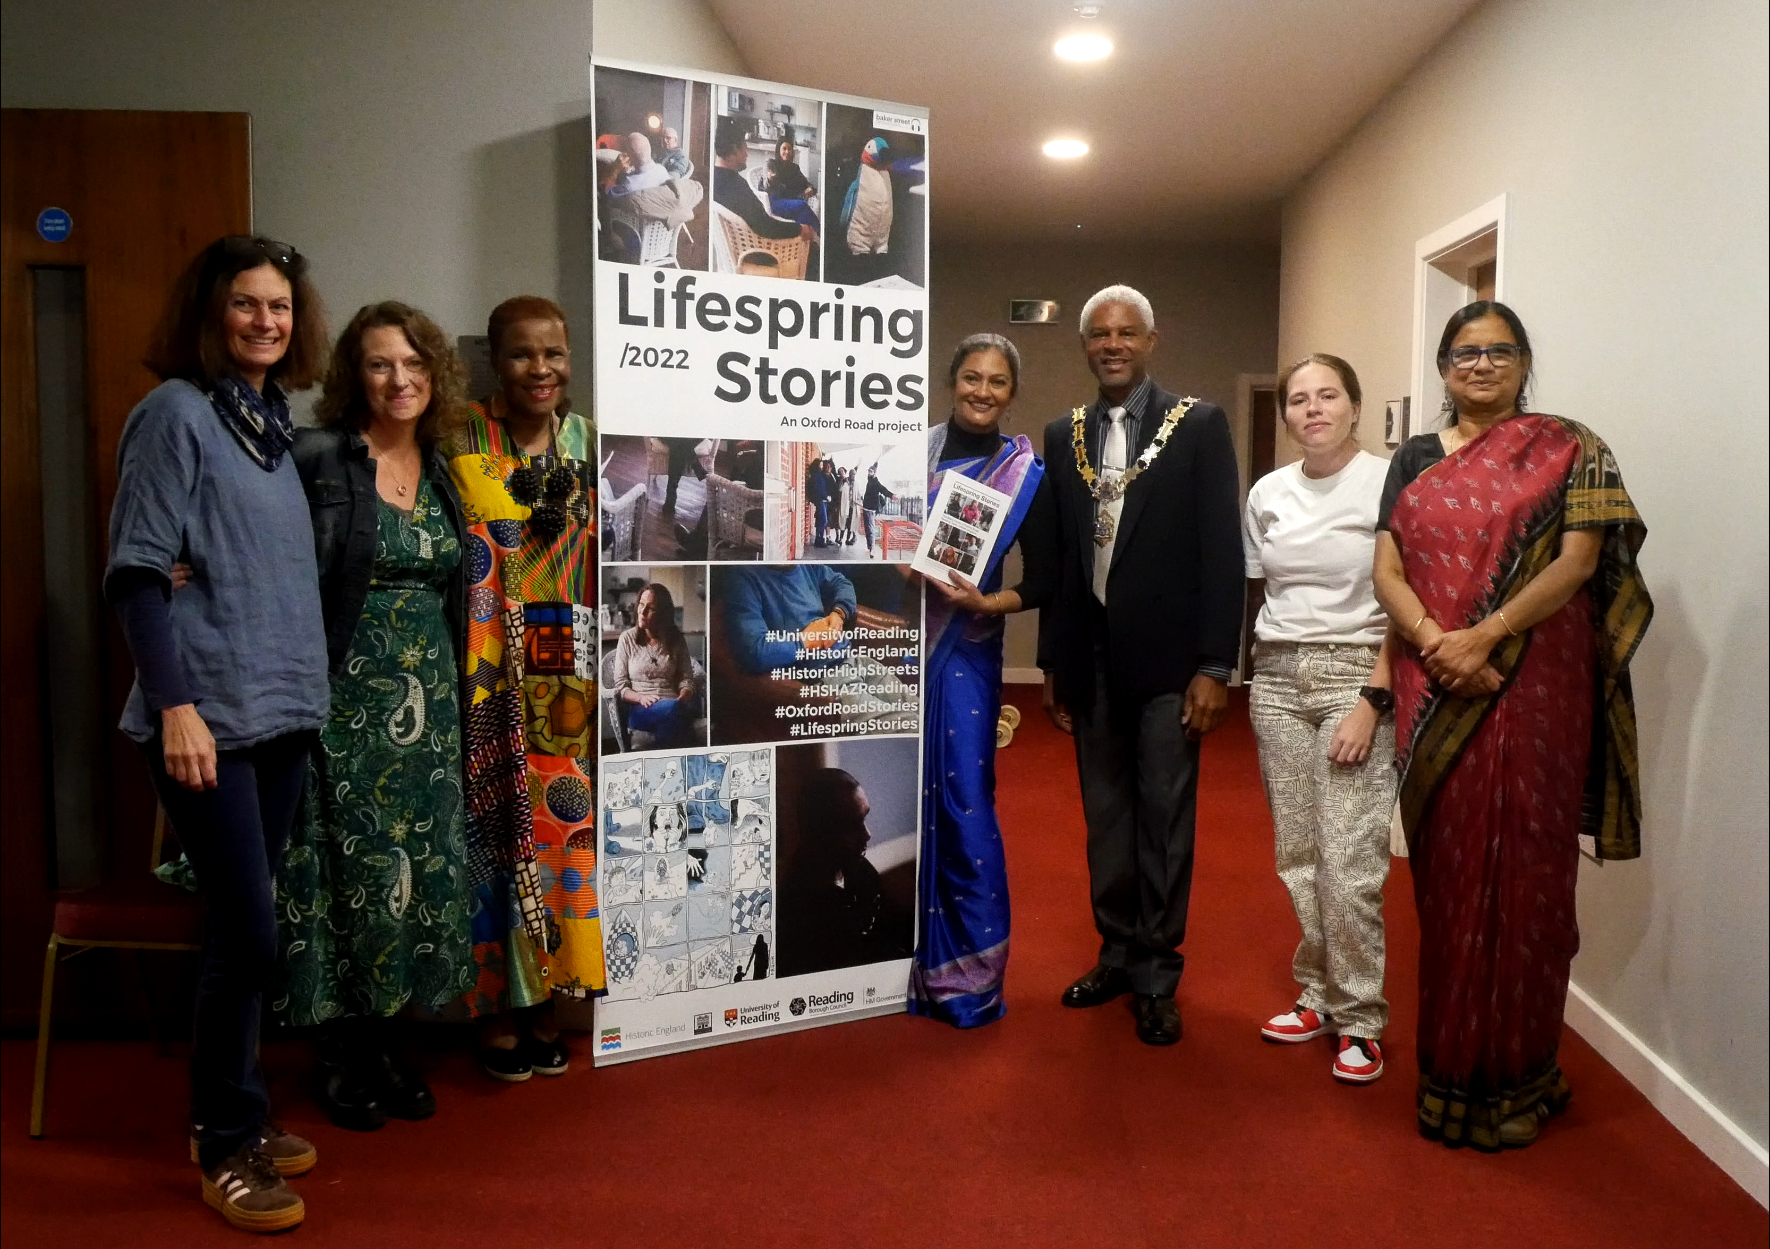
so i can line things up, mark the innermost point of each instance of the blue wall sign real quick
(54, 225)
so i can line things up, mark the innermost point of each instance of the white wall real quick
(1216, 316)
(1631, 137)
(435, 151)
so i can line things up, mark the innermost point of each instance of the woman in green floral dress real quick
(373, 893)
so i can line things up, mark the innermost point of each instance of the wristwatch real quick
(1383, 700)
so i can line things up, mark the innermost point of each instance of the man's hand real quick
(1055, 709)
(824, 632)
(187, 747)
(1206, 700)
(182, 575)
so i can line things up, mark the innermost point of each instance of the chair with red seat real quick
(135, 913)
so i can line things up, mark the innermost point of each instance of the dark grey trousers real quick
(1139, 774)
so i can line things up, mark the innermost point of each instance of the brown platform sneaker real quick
(288, 1153)
(247, 1191)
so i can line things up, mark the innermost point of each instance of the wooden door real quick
(142, 193)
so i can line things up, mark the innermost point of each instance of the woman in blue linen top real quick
(231, 675)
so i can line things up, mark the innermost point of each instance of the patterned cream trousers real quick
(1331, 823)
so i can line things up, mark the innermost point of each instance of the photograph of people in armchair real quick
(667, 499)
(877, 226)
(653, 678)
(767, 206)
(651, 169)
(829, 501)
(812, 650)
(846, 835)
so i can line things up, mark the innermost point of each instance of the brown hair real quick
(343, 401)
(665, 630)
(523, 308)
(188, 342)
(1348, 378)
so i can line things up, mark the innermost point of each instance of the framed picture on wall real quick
(1395, 422)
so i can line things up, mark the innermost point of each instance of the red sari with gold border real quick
(1496, 790)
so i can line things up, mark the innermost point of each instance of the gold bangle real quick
(1501, 613)
(1419, 622)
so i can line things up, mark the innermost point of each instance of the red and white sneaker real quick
(1298, 1024)
(1359, 1061)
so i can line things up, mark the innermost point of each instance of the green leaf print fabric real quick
(372, 895)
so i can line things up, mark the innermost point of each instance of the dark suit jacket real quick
(1174, 594)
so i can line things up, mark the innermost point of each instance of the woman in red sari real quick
(1506, 557)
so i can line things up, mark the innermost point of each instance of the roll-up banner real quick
(761, 373)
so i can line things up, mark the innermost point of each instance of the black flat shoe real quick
(402, 1091)
(1158, 1019)
(548, 1058)
(348, 1099)
(509, 1065)
(1099, 986)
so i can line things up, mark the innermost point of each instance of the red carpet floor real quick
(1052, 1127)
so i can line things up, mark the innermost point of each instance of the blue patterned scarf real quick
(260, 421)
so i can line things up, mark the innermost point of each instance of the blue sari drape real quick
(962, 957)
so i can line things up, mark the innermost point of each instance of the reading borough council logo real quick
(731, 1018)
(797, 1006)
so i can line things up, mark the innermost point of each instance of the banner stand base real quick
(750, 1034)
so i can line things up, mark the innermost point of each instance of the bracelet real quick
(1501, 613)
(1419, 622)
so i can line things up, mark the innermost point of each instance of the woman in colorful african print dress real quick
(1508, 565)
(524, 466)
(961, 957)
(372, 890)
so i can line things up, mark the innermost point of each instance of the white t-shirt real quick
(1313, 540)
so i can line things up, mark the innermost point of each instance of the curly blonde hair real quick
(343, 402)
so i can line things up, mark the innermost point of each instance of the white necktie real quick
(1106, 514)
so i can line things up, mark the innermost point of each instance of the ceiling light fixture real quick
(1083, 47)
(653, 121)
(1065, 149)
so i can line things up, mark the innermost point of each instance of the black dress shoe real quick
(348, 1098)
(401, 1090)
(1099, 986)
(1158, 1019)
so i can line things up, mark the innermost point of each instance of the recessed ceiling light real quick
(653, 121)
(1083, 47)
(1065, 149)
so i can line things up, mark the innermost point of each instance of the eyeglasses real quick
(1500, 355)
(251, 245)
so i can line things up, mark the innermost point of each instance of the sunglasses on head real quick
(253, 245)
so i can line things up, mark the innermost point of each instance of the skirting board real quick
(1672, 1095)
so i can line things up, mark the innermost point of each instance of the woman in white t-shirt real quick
(1321, 709)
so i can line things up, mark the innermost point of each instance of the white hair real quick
(1118, 294)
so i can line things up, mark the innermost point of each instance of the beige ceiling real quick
(1206, 113)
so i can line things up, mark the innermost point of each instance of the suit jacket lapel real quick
(1137, 495)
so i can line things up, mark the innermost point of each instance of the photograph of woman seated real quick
(653, 678)
(1515, 724)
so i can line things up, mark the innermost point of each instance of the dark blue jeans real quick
(234, 836)
(669, 720)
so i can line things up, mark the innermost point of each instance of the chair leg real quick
(147, 991)
(40, 1084)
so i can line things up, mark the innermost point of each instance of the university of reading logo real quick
(611, 1039)
(768, 1013)
(797, 1006)
(731, 1018)
(703, 1024)
(822, 1003)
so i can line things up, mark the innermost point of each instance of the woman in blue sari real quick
(962, 957)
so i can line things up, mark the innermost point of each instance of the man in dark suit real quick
(1138, 643)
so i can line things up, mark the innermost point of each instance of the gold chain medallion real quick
(1106, 492)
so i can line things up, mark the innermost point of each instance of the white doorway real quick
(1456, 265)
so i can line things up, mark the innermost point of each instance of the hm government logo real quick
(872, 994)
(797, 1006)
(703, 1024)
(731, 1018)
(611, 1039)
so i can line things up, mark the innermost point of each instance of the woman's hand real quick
(1483, 683)
(187, 747)
(1351, 744)
(1456, 656)
(182, 575)
(962, 594)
